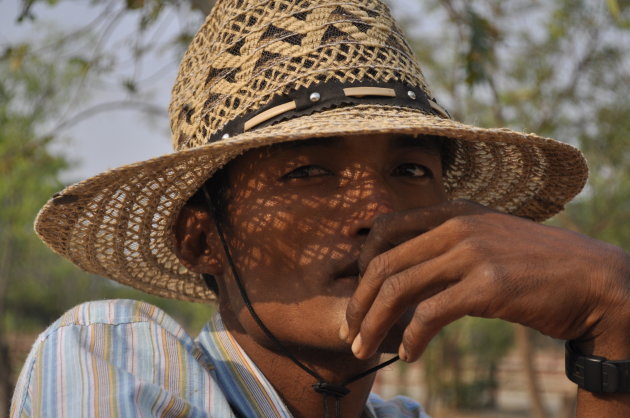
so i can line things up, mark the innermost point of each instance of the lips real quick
(348, 270)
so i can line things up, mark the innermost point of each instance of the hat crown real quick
(248, 52)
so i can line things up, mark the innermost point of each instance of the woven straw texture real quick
(119, 224)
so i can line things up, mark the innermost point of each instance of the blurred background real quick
(84, 86)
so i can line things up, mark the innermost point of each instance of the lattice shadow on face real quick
(291, 243)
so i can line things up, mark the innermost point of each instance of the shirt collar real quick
(247, 390)
(243, 384)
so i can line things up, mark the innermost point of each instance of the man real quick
(317, 190)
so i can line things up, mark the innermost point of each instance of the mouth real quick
(348, 271)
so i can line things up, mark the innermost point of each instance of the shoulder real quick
(110, 349)
(399, 406)
(110, 328)
(114, 312)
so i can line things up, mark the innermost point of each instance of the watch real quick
(596, 374)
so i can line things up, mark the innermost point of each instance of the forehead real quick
(429, 144)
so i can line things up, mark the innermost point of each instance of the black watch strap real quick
(596, 374)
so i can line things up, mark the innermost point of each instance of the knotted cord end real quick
(330, 389)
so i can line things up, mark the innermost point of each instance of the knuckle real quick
(378, 267)
(492, 274)
(498, 278)
(498, 285)
(474, 248)
(392, 292)
(425, 316)
(461, 225)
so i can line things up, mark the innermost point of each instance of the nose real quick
(366, 200)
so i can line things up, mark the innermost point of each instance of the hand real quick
(460, 258)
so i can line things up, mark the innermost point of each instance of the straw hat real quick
(262, 72)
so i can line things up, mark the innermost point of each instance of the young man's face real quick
(297, 217)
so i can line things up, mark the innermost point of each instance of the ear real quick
(196, 241)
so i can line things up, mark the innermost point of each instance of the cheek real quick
(285, 232)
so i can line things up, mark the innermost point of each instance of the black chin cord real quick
(323, 387)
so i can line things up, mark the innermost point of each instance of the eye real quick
(412, 170)
(306, 171)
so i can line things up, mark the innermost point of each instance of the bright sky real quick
(112, 138)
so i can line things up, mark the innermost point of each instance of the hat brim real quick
(119, 224)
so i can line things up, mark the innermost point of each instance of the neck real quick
(294, 385)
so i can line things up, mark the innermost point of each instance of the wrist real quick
(612, 347)
(596, 374)
(609, 336)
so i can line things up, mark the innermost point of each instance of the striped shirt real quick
(124, 358)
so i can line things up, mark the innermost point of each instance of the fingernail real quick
(343, 331)
(402, 353)
(357, 345)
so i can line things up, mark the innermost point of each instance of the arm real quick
(438, 264)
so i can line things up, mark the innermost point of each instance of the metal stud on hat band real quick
(328, 96)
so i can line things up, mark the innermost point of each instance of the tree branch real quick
(108, 107)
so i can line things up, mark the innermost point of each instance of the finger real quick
(389, 230)
(394, 261)
(436, 312)
(414, 251)
(400, 292)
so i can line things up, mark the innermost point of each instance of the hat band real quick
(330, 95)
